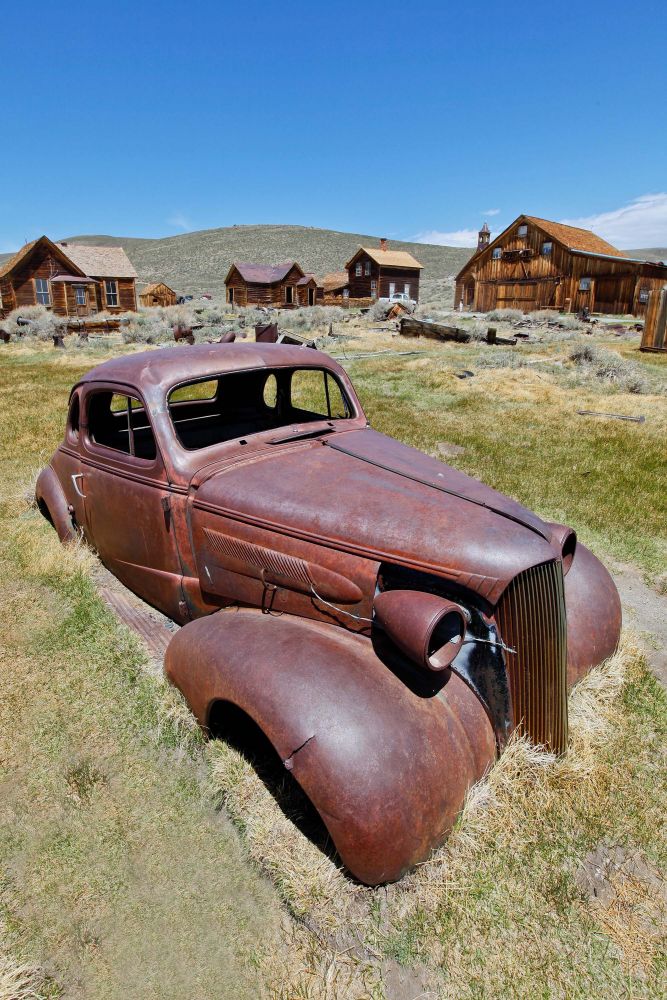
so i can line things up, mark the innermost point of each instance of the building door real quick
(230, 296)
(392, 288)
(311, 296)
(517, 295)
(406, 289)
(81, 300)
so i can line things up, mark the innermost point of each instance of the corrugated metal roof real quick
(99, 262)
(388, 258)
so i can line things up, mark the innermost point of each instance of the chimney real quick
(383, 243)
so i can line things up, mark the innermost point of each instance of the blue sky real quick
(408, 120)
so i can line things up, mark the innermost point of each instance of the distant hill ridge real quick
(198, 262)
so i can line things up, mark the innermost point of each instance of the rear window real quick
(240, 404)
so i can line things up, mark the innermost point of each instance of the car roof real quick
(169, 366)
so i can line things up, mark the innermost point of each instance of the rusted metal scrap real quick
(387, 621)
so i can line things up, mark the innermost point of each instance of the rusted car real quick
(385, 620)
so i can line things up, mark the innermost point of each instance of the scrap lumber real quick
(615, 416)
(410, 327)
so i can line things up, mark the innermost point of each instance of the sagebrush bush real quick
(506, 315)
(609, 367)
(43, 324)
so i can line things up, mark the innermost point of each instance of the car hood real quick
(363, 492)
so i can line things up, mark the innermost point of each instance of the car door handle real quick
(78, 475)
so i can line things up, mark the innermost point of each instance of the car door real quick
(128, 498)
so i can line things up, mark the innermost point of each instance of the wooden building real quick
(377, 272)
(654, 337)
(157, 294)
(334, 288)
(306, 288)
(273, 285)
(538, 264)
(69, 279)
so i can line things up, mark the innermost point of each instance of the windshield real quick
(210, 411)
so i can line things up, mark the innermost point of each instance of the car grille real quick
(532, 621)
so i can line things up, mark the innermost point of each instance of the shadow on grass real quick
(238, 730)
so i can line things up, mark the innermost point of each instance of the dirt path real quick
(646, 611)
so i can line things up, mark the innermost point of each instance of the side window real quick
(270, 394)
(497, 253)
(358, 270)
(195, 390)
(547, 248)
(318, 394)
(367, 269)
(73, 416)
(120, 422)
(523, 231)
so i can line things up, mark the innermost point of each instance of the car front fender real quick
(593, 614)
(386, 768)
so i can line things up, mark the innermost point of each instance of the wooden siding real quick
(361, 285)
(528, 279)
(159, 295)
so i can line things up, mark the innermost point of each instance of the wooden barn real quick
(157, 294)
(538, 264)
(377, 272)
(273, 285)
(70, 280)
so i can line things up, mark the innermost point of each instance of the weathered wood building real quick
(273, 285)
(306, 288)
(157, 294)
(70, 280)
(377, 272)
(654, 337)
(538, 264)
(334, 288)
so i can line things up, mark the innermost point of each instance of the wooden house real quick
(538, 264)
(306, 289)
(69, 279)
(273, 285)
(377, 272)
(334, 287)
(157, 294)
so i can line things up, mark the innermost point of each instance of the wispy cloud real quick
(641, 223)
(457, 238)
(180, 221)
(491, 211)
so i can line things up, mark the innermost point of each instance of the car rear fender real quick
(52, 502)
(386, 768)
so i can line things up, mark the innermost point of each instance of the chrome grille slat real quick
(531, 618)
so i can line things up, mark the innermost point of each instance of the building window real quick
(367, 269)
(496, 253)
(643, 295)
(111, 291)
(358, 270)
(406, 289)
(546, 249)
(523, 231)
(42, 292)
(374, 289)
(584, 284)
(80, 295)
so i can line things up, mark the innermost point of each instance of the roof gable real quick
(27, 251)
(387, 258)
(156, 286)
(99, 262)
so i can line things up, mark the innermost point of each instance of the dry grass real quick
(122, 877)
